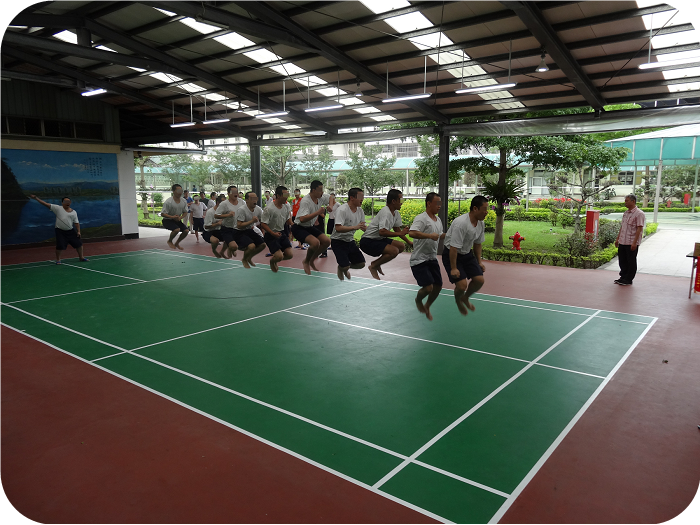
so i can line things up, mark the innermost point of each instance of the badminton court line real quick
(476, 297)
(481, 403)
(99, 271)
(41, 264)
(257, 401)
(120, 285)
(444, 344)
(536, 467)
(243, 431)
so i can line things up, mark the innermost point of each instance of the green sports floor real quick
(451, 417)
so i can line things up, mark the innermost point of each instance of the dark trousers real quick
(627, 257)
(322, 227)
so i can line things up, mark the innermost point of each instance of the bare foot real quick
(347, 274)
(468, 304)
(462, 308)
(341, 276)
(307, 267)
(273, 266)
(223, 254)
(245, 263)
(217, 254)
(179, 247)
(420, 305)
(170, 243)
(312, 263)
(379, 269)
(250, 261)
(373, 272)
(428, 314)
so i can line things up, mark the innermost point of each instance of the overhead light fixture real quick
(493, 87)
(677, 62)
(408, 97)
(93, 92)
(483, 89)
(183, 124)
(278, 113)
(213, 121)
(543, 65)
(326, 108)
(358, 93)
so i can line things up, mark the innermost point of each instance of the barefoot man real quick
(310, 207)
(244, 235)
(174, 210)
(67, 227)
(349, 218)
(227, 211)
(276, 215)
(426, 231)
(462, 254)
(377, 241)
(212, 228)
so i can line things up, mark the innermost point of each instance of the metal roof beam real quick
(535, 21)
(331, 53)
(215, 80)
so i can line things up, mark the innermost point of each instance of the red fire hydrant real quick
(517, 238)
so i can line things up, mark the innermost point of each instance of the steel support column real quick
(443, 175)
(255, 174)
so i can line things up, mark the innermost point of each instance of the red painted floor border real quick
(632, 458)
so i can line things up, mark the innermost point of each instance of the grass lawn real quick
(539, 236)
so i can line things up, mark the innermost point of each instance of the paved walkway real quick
(664, 253)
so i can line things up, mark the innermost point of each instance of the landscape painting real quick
(89, 179)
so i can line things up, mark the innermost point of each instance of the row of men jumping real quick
(232, 222)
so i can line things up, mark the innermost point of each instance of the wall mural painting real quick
(89, 179)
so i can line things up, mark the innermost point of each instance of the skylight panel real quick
(312, 81)
(384, 5)
(330, 92)
(383, 118)
(262, 56)
(409, 22)
(350, 101)
(214, 96)
(291, 126)
(273, 120)
(288, 69)
(432, 41)
(164, 11)
(199, 26)
(67, 36)
(105, 48)
(165, 77)
(234, 41)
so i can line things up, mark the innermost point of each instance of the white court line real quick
(256, 317)
(41, 264)
(476, 407)
(518, 490)
(441, 344)
(476, 296)
(119, 285)
(105, 273)
(247, 433)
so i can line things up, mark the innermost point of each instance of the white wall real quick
(127, 193)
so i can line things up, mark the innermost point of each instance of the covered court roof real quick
(175, 62)
(672, 146)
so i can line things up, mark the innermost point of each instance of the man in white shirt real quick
(212, 229)
(377, 241)
(212, 200)
(462, 254)
(197, 210)
(349, 218)
(276, 215)
(227, 211)
(66, 232)
(311, 207)
(244, 235)
(174, 210)
(426, 232)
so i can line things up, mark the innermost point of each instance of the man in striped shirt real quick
(628, 240)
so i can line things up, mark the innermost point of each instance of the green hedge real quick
(532, 215)
(551, 259)
(664, 209)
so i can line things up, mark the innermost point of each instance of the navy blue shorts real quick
(245, 238)
(207, 235)
(66, 237)
(346, 253)
(302, 232)
(198, 224)
(466, 264)
(226, 234)
(427, 273)
(172, 224)
(374, 247)
(277, 243)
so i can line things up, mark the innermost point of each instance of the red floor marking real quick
(631, 458)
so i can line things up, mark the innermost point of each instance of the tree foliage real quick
(230, 167)
(317, 166)
(369, 170)
(276, 165)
